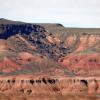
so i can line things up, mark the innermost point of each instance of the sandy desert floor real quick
(48, 97)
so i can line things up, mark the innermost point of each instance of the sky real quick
(70, 13)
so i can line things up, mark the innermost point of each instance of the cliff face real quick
(28, 87)
(67, 61)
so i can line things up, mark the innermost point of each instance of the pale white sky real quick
(70, 13)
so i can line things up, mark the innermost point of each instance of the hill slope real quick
(38, 48)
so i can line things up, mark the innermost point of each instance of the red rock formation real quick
(40, 63)
(82, 63)
(7, 65)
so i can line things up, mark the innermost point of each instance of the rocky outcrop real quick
(47, 85)
(9, 30)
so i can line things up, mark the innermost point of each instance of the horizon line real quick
(63, 25)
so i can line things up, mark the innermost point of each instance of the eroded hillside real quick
(41, 59)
